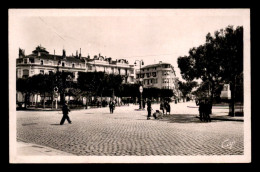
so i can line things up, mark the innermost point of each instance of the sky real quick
(148, 35)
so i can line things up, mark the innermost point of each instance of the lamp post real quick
(56, 90)
(140, 82)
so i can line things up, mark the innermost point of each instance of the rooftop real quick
(155, 65)
(40, 52)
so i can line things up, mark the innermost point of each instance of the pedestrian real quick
(162, 107)
(201, 105)
(208, 108)
(149, 109)
(65, 111)
(157, 115)
(165, 106)
(111, 106)
(168, 108)
(144, 104)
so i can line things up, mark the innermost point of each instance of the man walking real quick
(65, 111)
(111, 106)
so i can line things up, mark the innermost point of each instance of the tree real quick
(230, 42)
(218, 61)
(88, 83)
(62, 81)
(99, 84)
(186, 88)
(203, 89)
(24, 86)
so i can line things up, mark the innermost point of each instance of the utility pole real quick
(140, 81)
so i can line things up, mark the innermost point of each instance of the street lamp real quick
(141, 62)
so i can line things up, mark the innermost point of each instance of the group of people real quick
(205, 109)
(165, 107)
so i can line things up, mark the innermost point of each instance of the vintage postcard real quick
(129, 86)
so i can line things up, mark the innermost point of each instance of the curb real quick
(225, 119)
(213, 107)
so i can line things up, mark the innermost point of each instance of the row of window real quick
(111, 70)
(154, 68)
(149, 81)
(152, 74)
(63, 64)
(166, 87)
(167, 80)
(25, 61)
(26, 73)
(147, 69)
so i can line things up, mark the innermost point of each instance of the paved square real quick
(127, 132)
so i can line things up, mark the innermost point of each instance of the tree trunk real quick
(52, 100)
(25, 100)
(232, 101)
(44, 101)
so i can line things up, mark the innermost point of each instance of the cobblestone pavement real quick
(95, 132)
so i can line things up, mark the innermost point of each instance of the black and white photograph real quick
(129, 85)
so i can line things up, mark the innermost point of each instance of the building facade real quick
(42, 62)
(161, 75)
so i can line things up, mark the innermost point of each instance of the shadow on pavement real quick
(182, 118)
(55, 124)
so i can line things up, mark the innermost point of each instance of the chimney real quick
(160, 62)
(99, 55)
(77, 54)
(21, 53)
(63, 54)
(54, 55)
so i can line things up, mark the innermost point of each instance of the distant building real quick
(225, 93)
(161, 75)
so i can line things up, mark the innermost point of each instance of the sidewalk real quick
(226, 118)
(30, 149)
(219, 112)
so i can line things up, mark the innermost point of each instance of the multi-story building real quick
(42, 62)
(161, 75)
